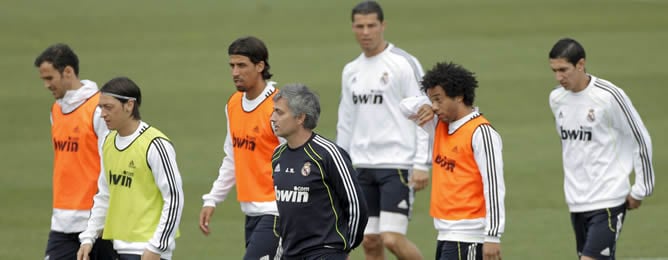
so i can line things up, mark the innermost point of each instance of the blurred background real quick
(176, 51)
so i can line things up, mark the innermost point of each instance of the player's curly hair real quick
(454, 79)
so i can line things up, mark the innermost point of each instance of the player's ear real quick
(259, 66)
(580, 65)
(301, 119)
(68, 72)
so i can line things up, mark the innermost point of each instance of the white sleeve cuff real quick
(491, 239)
(209, 203)
(153, 249)
(421, 167)
(86, 241)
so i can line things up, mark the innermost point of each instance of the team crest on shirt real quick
(385, 78)
(306, 169)
(590, 115)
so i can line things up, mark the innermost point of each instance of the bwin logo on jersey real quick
(582, 134)
(247, 142)
(373, 98)
(297, 194)
(445, 163)
(69, 145)
(123, 179)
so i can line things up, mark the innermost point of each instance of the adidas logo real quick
(132, 164)
(76, 129)
(256, 129)
(455, 150)
(266, 257)
(277, 168)
(606, 252)
(561, 115)
(403, 204)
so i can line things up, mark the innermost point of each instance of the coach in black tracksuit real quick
(321, 207)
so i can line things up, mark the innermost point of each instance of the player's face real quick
(55, 81)
(369, 33)
(245, 73)
(568, 75)
(444, 107)
(284, 122)
(114, 113)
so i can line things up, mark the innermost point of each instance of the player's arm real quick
(162, 160)
(343, 178)
(101, 131)
(344, 125)
(222, 185)
(418, 109)
(412, 75)
(487, 150)
(98, 213)
(627, 119)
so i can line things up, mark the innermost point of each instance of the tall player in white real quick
(603, 140)
(389, 151)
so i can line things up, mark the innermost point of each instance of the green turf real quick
(176, 52)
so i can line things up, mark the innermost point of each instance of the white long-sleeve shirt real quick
(226, 178)
(487, 152)
(370, 126)
(161, 158)
(67, 220)
(603, 139)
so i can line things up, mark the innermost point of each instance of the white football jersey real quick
(603, 140)
(371, 128)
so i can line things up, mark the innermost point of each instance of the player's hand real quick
(83, 252)
(424, 115)
(150, 255)
(204, 218)
(419, 179)
(491, 251)
(632, 203)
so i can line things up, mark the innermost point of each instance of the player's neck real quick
(254, 92)
(463, 112)
(381, 48)
(583, 83)
(129, 128)
(299, 138)
(76, 84)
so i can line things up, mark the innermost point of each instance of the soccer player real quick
(322, 209)
(140, 195)
(603, 139)
(249, 143)
(467, 198)
(77, 132)
(389, 152)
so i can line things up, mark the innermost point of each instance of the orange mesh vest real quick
(253, 141)
(457, 189)
(76, 161)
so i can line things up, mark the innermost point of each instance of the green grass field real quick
(176, 52)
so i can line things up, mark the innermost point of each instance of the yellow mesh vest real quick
(135, 202)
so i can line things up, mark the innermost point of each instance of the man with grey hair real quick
(322, 210)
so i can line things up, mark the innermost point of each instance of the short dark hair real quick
(454, 79)
(61, 56)
(368, 7)
(125, 87)
(568, 49)
(254, 49)
(301, 100)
